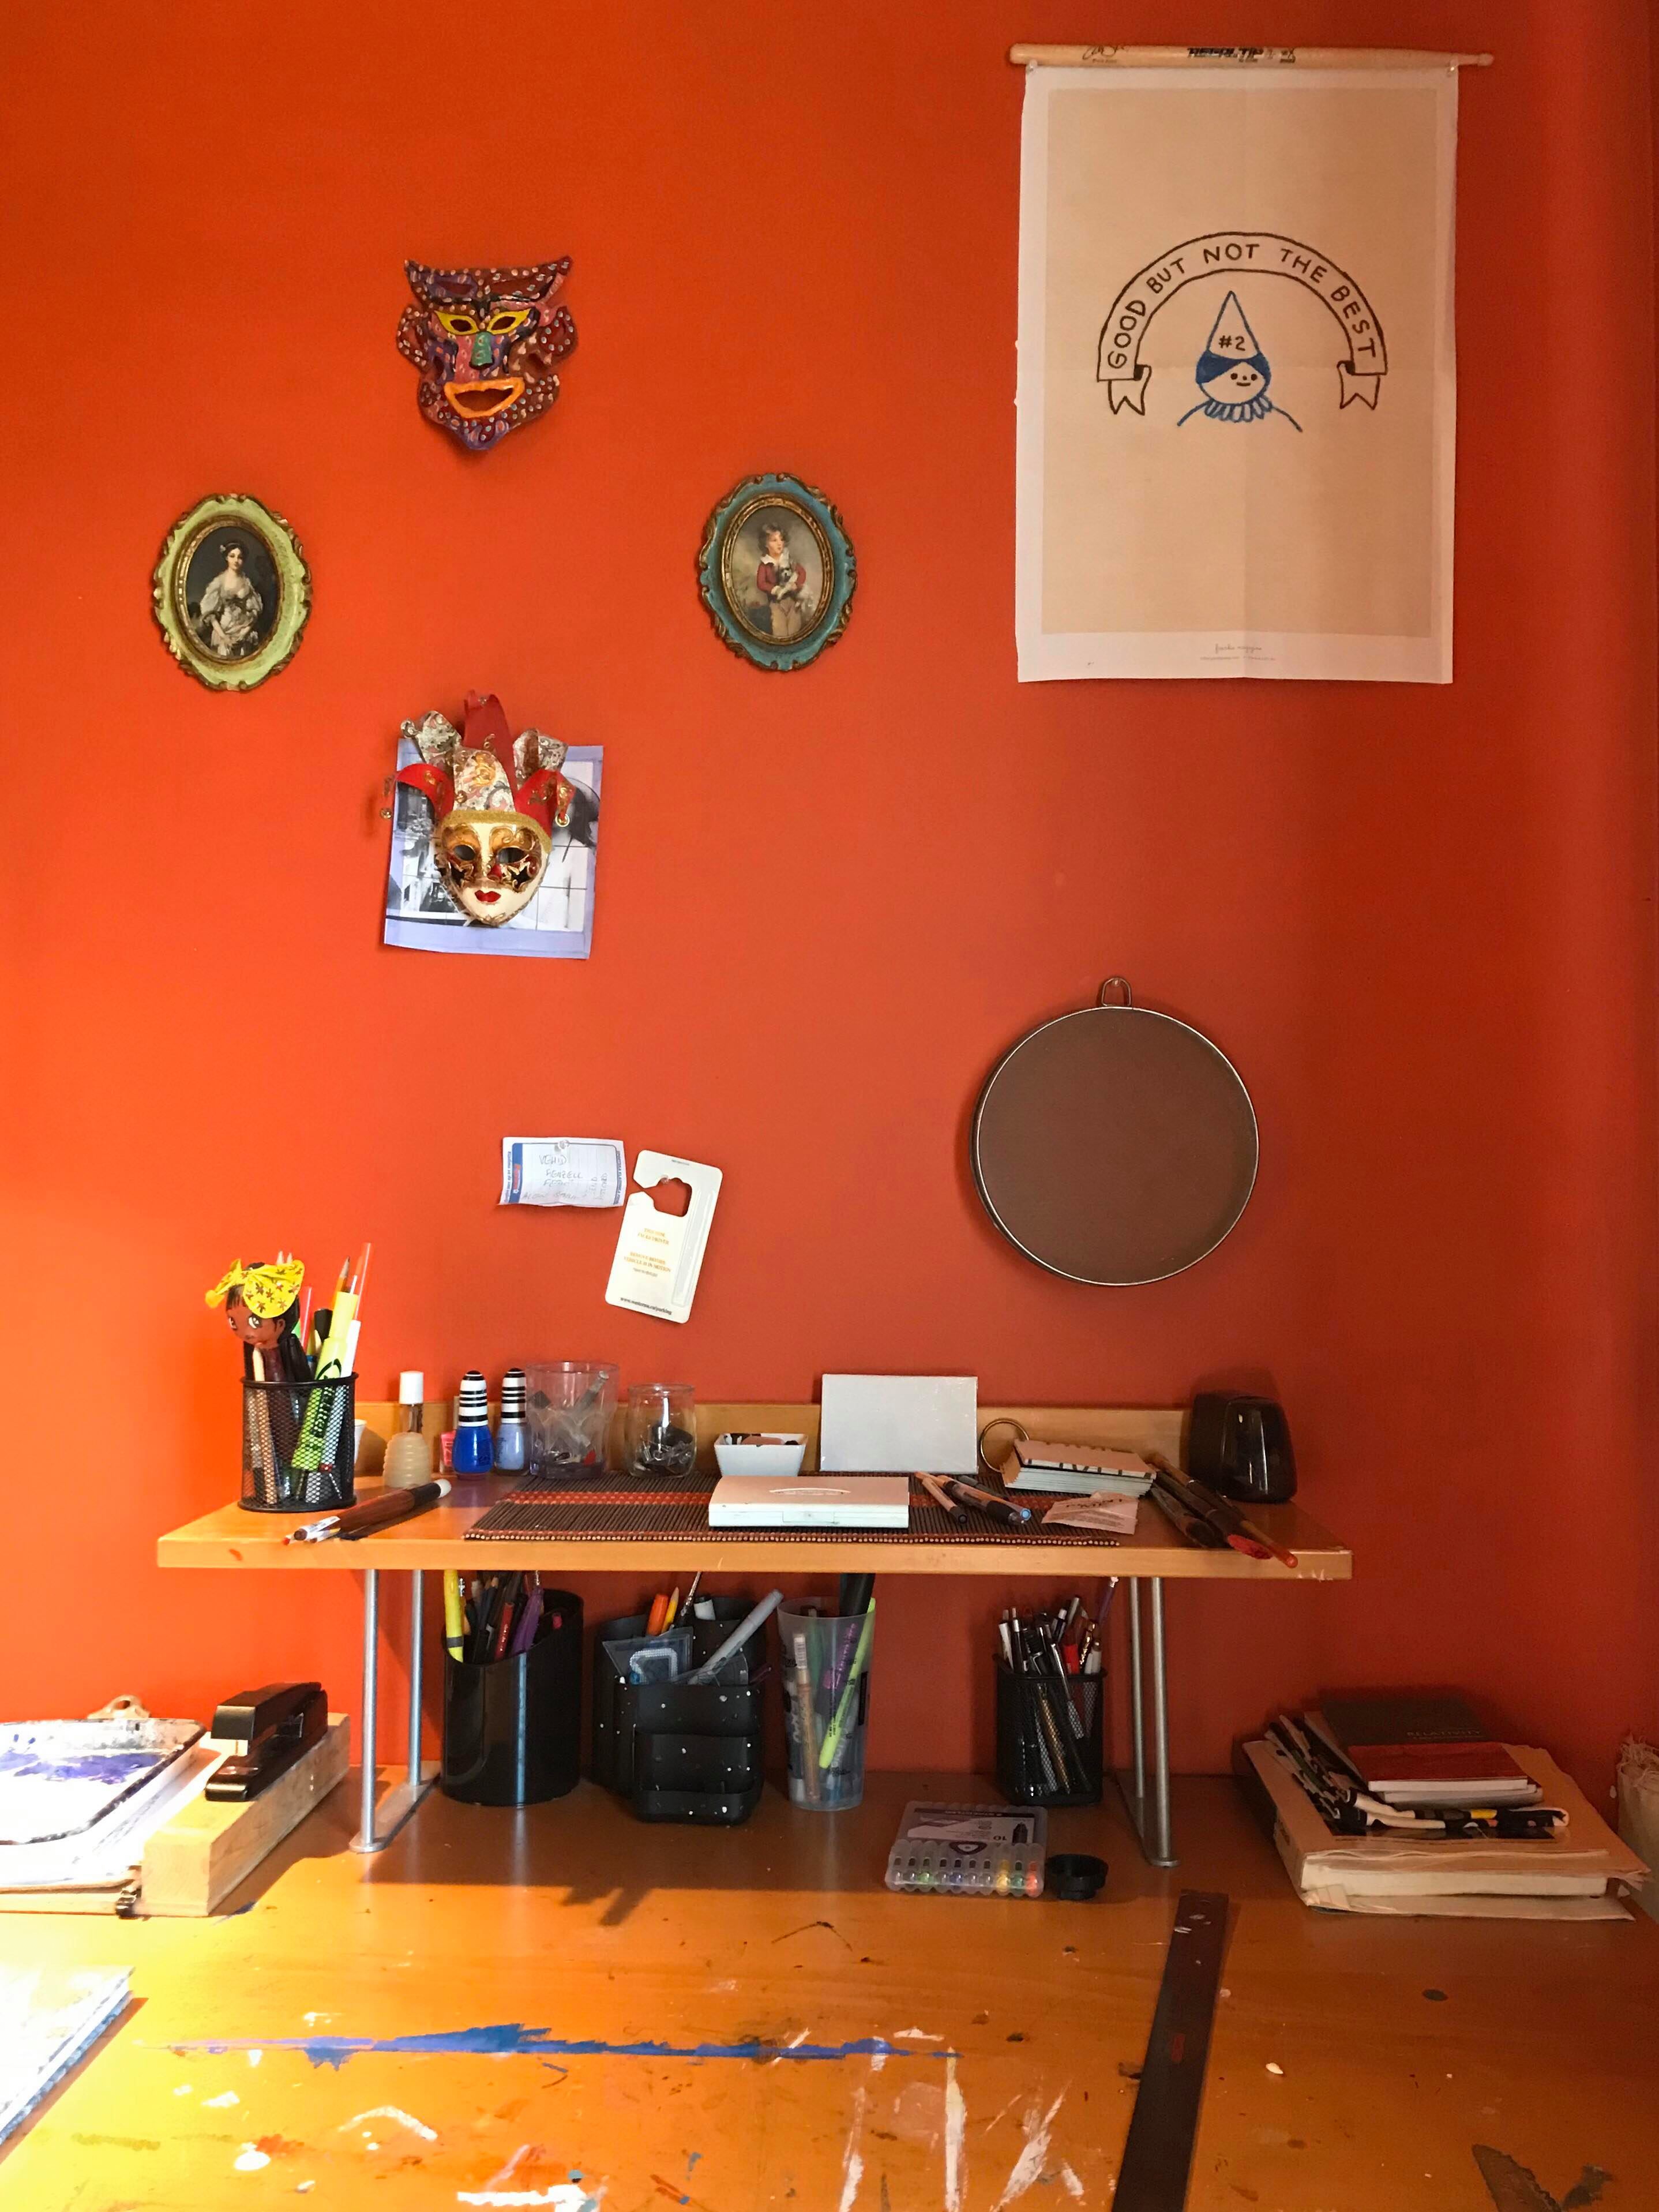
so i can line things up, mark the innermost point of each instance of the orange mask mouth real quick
(488, 397)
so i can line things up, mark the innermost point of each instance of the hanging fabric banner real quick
(1237, 385)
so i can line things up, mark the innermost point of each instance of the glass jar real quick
(660, 1428)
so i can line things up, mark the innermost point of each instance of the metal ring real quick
(1122, 983)
(1002, 1421)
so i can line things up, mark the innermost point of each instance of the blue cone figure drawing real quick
(1233, 374)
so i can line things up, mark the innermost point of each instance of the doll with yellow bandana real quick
(261, 1304)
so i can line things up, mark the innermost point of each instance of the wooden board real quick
(1355, 2065)
(194, 1862)
(229, 1537)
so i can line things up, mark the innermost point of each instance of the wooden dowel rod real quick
(1317, 58)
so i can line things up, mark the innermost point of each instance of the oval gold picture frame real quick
(209, 650)
(720, 578)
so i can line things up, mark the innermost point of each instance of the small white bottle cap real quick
(411, 1386)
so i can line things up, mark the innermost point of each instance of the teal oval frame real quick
(825, 519)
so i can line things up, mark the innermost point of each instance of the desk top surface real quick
(231, 1537)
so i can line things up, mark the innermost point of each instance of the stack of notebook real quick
(1406, 1804)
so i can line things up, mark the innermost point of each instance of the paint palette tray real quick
(969, 1851)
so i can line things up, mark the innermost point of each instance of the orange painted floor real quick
(1337, 2083)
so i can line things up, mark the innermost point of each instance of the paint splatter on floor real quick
(956, 2139)
(394, 2113)
(807, 1927)
(853, 2162)
(1513, 2187)
(1028, 2165)
(519, 2183)
(512, 2040)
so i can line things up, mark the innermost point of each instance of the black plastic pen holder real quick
(513, 1726)
(299, 1443)
(682, 1751)
(1050, 1738)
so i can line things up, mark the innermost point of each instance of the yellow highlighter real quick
(454, 1614)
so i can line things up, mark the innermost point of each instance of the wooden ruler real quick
(1158, 2158)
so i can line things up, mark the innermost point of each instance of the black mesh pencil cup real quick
(1050, 1740)
(299, 1441)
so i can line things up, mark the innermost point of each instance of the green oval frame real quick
(836, 552)
(293, 586)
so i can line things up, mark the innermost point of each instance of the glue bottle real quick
(409, 1454)
(472, 1452)
(512, 1431)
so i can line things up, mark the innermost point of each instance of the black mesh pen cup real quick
(299, 1442)
(513, 1726)
(1050, 1737)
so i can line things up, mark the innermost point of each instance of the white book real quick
(811, 1501)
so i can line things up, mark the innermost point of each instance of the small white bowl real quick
(777, 1455)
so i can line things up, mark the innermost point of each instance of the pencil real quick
(941, 1496)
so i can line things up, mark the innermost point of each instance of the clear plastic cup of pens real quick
(825, 1670)
(570, 1403)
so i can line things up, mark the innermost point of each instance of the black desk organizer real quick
(682, 1751)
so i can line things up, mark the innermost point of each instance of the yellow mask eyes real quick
(462, 325)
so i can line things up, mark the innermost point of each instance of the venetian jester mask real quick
(497, 800)
(486, 342)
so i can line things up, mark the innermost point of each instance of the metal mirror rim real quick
(1086, 1013)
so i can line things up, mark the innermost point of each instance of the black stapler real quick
(278, 1723)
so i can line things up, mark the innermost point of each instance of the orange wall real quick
(1419, 919)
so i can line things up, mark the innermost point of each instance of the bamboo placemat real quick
(581, 1509)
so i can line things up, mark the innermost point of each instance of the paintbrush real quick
(1226, 1519)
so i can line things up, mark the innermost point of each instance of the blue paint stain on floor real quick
(512, 2039)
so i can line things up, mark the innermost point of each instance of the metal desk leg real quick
(379, 1822)
(1149, 1702)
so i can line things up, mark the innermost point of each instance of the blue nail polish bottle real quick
(473, 1451)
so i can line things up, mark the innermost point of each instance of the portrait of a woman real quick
(228, 620)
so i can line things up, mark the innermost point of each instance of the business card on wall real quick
(659, 1251)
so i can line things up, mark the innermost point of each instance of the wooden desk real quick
(1356, 2062)
(231, 1538)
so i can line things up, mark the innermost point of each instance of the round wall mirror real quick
(1114, 1145)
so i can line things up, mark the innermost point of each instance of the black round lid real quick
(1074, 1876)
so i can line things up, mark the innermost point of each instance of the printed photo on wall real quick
(494, 839)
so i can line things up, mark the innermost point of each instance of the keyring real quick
(1023, 1435)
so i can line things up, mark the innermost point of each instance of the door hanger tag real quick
(658, 1253)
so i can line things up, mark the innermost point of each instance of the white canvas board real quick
(877, 1424)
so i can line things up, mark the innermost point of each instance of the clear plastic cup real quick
(570, 1404)
(825, 1670)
